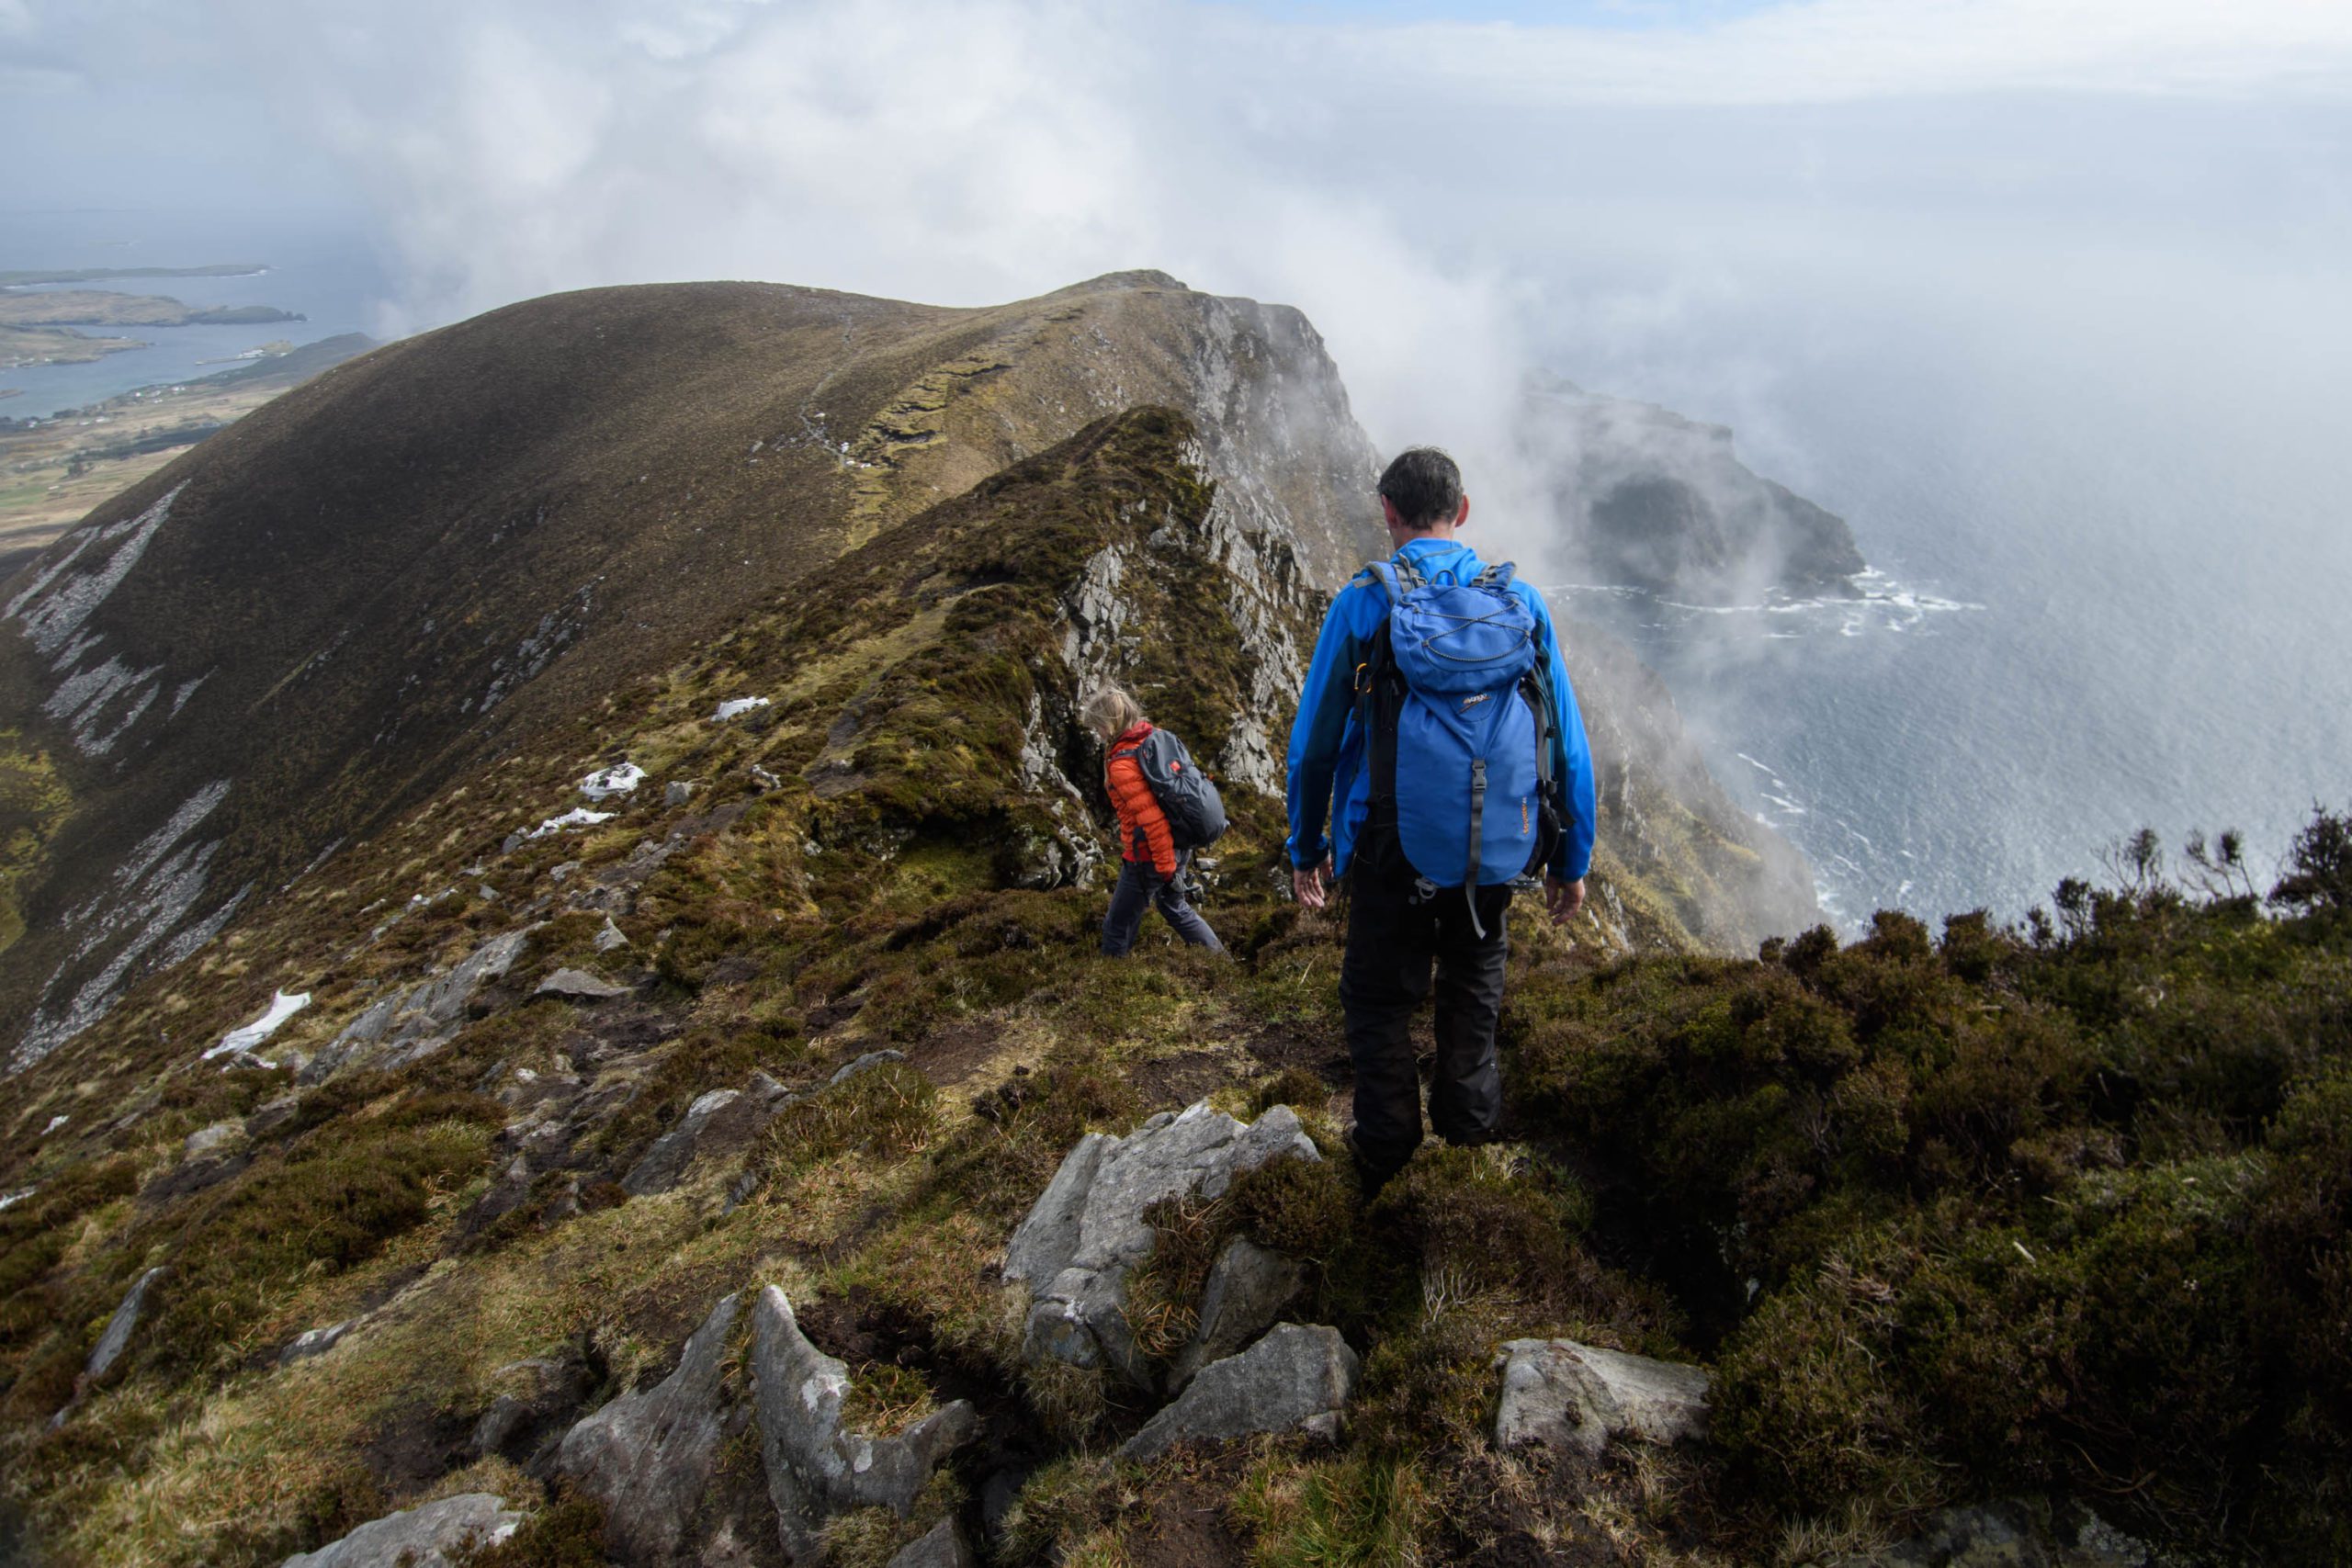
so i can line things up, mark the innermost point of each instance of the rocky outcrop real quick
(1087, 1233)
(941, 1546)
(433, 1535)
(815, 1467)
(314, 1342)
(2013, 1534)
(647, 1457)
(210, 1156)
(1576, 1398)
(1247, 1289)
(1651, 499)
(578, 985)
(415, 1021)
(1295, 1378)
(119, 1328)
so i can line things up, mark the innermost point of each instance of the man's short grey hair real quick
(1424, 486)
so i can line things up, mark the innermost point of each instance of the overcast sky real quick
(1430, 178)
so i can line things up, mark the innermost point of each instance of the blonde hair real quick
(1109, 711)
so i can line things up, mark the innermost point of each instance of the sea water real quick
(320, 270)
(2109, 586)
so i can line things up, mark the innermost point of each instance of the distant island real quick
(95, 308)
(23, 347)
(106, 274)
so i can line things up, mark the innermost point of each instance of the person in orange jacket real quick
(1151, 869)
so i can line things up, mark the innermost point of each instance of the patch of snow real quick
(578, 817)
(621, 779)
(55, 1123)
(736, 706)
(281, 1008)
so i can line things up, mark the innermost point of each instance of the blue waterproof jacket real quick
(1328, 761)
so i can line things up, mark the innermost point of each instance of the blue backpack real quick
(1453, 703)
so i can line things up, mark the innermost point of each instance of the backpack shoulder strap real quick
(1496, 578)
(1396, 578)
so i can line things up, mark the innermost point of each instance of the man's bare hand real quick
(1307, 885)
(1563, 900)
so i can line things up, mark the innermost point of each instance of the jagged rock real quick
(677, 791)
(415, 1022)
(1247, 1287)
(647, 1457)
(431, 1536)
(740, 1192)
(1577, 1397)
(2011, 1534)
(609, 938)
(272, 1114)
(315, 1342)
(210, 1156)
(815, 1468)
(580, 986)
(119, 1328)
(942, 1547)
(1087, 1233)
(864, 1064)
(718, 1123)
(541, 1395)
(1294, 1377)
(218, 1138)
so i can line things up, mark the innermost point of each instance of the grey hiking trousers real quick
(1139, 888)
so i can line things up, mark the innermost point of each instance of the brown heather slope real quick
(358, 594)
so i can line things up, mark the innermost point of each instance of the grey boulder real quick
(315, 1342)
(816, 1468)
(431, 1536)
(1087, 1233)
(578, 985)
(941, 1546)
(2011, 1534)
(1294, 1378)
(1247, 1287)
(1576, 1398)
(120, 1328)
(647, 1457)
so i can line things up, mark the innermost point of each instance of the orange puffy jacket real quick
(1143, 826)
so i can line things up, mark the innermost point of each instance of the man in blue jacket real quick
(1398, 926)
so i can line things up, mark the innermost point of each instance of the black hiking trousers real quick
(1396, 934)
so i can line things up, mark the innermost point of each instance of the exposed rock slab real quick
(578, 985)
(1247, 1287)
(647, 1457)
(943, 1546)
(415, 1022)
(2012, 1534)
(1087, 1232)
(431, 1536)
(1577, 1398)
(815, 1467)
(120, 1328)
(315, 1342)
(1297, 1377)
(210, 1156)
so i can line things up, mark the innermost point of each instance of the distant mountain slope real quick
(344, 602)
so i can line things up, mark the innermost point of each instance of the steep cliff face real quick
(1648, 499)
(357, 597)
